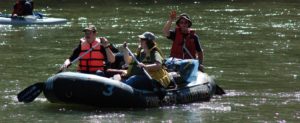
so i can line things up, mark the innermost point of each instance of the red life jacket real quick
(177, 50)
(92, 61)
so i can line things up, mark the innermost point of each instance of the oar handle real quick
(137, 61)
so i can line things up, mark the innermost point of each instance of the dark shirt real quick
(172, 36)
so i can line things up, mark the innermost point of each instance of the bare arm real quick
(126, 56)
(168, 24)
(110, 55)
(155, 66)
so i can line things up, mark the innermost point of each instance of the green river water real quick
(251, 47)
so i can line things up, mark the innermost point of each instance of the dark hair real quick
(150, 44)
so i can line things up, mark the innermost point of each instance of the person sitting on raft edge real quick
(186, 43)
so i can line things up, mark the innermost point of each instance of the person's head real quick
(90, 33)
(147, 40)
(184, 21)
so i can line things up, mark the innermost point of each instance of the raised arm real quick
(110, 55)
(167, 26)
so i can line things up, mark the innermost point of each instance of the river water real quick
(252, 49)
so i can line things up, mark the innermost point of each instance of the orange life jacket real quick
(177, 50)
(92, 61)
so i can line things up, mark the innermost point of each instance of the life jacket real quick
(160, 75)
(92, 61)
(177, 50)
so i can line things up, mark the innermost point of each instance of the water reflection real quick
(251, 49)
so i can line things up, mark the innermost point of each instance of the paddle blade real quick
(31, 92)
(219, 90)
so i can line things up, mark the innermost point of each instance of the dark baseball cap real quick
(148, 36)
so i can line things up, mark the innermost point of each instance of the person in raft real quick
(94, 61)
(151, 59)
(186, 43)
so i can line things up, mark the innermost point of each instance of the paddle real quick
(137, 61)
(159, 92)
(219, 90)
(31, 92)
(79, 57)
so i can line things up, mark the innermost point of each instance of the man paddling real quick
(92, 62)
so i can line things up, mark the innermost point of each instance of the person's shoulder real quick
(172, 34)
(194, 34)
(157, 53)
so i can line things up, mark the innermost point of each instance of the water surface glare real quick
(251, 47)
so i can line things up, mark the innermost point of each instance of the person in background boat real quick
(23, 8)
(94, 61)
(151, 60)
(186, 43)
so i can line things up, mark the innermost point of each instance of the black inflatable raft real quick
(79, 88)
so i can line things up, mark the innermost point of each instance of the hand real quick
(172, 15)
(141, 65)
(124, 73)
(139, 49)
(104, 42)
(65, 65)
(125, 44)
